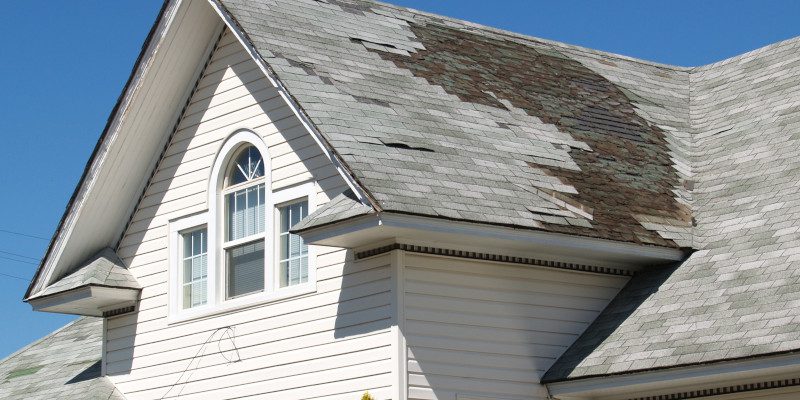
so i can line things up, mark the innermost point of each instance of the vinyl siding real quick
(485, 330)
(333, 343)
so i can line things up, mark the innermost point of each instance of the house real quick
(307, 199)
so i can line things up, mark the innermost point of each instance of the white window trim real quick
(176, 230)
(213, 219)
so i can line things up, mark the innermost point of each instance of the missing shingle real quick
(307, 67)
(370, 100)
(504, 125)
(404, 146)
(378, 46)
(363, 41)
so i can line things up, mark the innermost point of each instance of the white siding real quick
(334, 343)
(490, 330)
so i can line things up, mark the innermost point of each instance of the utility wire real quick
(19, 255)
(13, 276)
(23, 234)
(19, 261)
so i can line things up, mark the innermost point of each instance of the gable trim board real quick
(164, 22)
(172, 12)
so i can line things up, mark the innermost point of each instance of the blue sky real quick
(63, 64)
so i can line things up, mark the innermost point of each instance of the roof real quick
(739, 295)
(103, 269)
(63, 365)
(443, 118)
(344, 206)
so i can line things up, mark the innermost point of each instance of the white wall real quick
(483, 330)
(334, 341)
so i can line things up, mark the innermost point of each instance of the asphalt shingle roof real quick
(104, 268)
(444, 118)
(739, 295)
(439, 117)
(62, 365)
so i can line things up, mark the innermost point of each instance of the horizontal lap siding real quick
(489, 329)
(333, 343)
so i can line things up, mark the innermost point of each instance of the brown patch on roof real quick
(628, 171)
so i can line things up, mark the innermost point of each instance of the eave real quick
(362, 231)
(730, 376)
(89, 300)
(130, 145)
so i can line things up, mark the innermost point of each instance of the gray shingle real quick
(62, 365)
(104, 268)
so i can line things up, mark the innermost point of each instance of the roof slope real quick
(62, 365)
(442, 118)
(739, 295)
(103, 269)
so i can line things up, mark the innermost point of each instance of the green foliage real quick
(367, 396)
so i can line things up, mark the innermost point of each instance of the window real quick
(240, 251)
(293, 252)
(244, 224)
(195, 268)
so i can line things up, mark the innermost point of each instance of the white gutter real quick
(713, 378)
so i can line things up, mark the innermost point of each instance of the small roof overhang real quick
(100, 287)
(723, 377)
(346, 222)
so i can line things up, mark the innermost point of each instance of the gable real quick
(134, 135)
(232, 94)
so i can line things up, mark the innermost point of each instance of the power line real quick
(19, 261)
(23, 234)
(13, 276)
(19, 255)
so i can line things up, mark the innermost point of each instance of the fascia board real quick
(673, 380)
(392, 225)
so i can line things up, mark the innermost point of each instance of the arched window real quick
(244, 197)
(240, 251)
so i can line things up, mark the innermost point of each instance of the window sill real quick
(241, 303)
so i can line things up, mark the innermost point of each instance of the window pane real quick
(293, 252)
(195, 268)
(248, 166)
(245, 266)
(245, 212)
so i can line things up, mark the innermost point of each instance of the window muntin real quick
(245, 221)
(195, 268)
(221, 244)
(292, 251)
(248, 166)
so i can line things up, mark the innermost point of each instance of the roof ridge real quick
(580, 48)
(517, 35)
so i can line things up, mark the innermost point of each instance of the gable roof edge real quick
(328, 150)
(81, 189)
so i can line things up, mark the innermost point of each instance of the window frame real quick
(214, 220)
(177, 228)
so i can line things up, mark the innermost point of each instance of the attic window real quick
(240, 252)
(245, 222)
